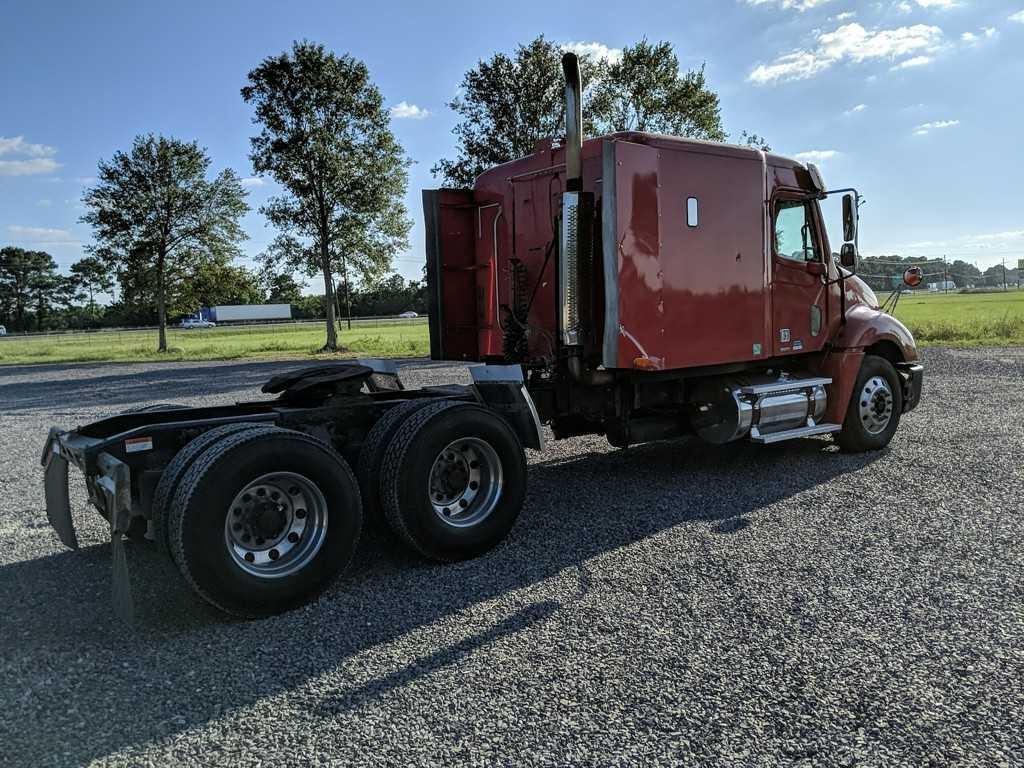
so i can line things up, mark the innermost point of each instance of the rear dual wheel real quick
(263, 520)
(453, 480)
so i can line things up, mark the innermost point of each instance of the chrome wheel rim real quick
(465, 482)
(876, 402)
(276, 525)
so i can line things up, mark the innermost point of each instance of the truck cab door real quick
(799, 275)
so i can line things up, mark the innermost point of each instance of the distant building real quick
(942, 285)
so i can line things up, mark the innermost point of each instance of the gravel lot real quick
(670, 604)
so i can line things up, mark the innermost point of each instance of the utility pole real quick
(945, 275)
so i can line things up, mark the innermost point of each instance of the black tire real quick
(371, 455)
(176, 469)
(200, 528)
(406, 477)
(857, 434)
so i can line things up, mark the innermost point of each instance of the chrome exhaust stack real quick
(572, 235)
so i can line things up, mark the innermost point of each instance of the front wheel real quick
(875, 407)
(263, 520)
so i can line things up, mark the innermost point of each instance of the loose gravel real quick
(673, 603)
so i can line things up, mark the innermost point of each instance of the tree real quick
(155, 209)
(281, 287)
(92, 275)
(325, 137)
(212, 282)
(507, 103)
(644, 91)
(29, 283)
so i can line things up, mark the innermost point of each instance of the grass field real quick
(964, 320)
(955, 320)
(367, 339)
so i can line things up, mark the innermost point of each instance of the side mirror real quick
(848, 255)
(913, 276)
(849, 219)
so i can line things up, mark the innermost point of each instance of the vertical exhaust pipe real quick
(571, 240)
(573, 123)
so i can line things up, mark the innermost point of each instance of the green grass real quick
(964, 319)
(300, 340)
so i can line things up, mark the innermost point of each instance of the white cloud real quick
(815, 155)
(845, 16)
(800, 5)
(856, 109)
(18, 146)
(917, 61)
(594, 50)
(29, 159)
(938, 3)
(850, 42)
(406, 111)
(972, 38)
(253, 181)
(926, 128)
(1018, 17)
(28, 167)
(42, 235)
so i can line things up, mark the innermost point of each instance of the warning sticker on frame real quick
(138, 444)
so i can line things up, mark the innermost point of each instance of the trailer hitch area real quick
(110, 488)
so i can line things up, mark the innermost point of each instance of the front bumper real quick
(912, 376)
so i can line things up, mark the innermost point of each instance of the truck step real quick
(784, 385)
(790, 434)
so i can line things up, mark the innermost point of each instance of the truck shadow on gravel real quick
(184, 665)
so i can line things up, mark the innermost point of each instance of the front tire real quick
(875, 407)
(453, 480)
(264, 520)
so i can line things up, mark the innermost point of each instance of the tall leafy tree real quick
(29, 285)
(325, 137)
(644, 90)
(505, 105)
(92, 275)
(155, 208)
(508, 102)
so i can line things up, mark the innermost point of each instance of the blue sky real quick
(917, 103)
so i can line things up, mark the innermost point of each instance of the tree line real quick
(166, 226)
(885, 273)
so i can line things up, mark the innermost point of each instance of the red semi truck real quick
(633, 285)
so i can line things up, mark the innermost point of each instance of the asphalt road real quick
(669, 604)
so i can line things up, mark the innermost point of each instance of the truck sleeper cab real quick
(637, 286)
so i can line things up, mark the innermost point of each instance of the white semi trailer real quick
(224, 313)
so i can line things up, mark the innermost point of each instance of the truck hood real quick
(858, 292)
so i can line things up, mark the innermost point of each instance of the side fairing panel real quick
(631, 244)
(677, 294)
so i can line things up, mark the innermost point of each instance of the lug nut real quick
(274, 554)
(249, 557)
(300, 513)
(293, 537)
